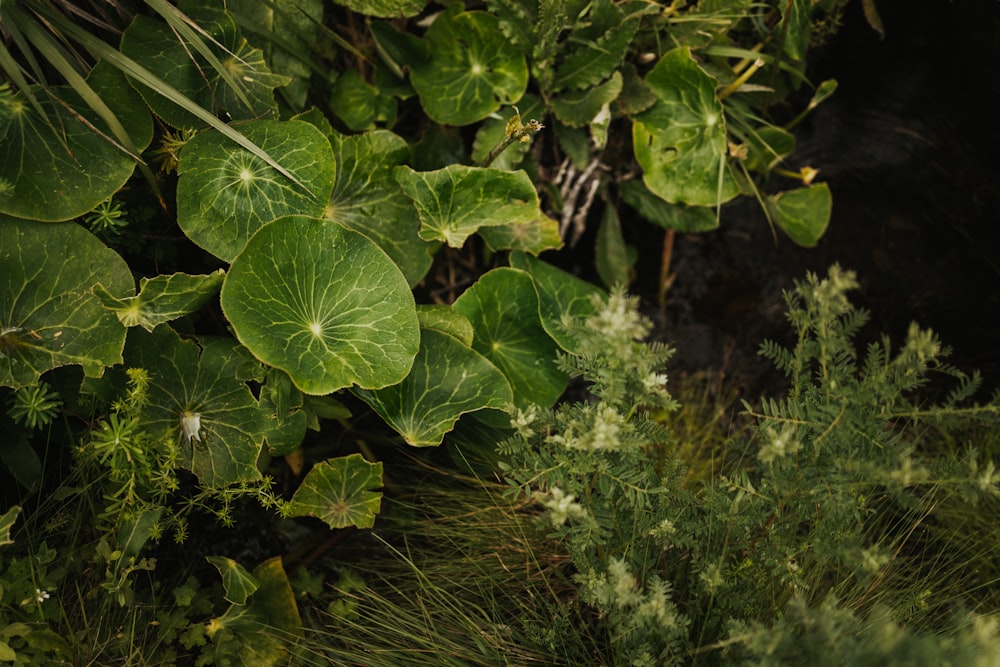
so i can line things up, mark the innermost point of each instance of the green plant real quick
(825, 531)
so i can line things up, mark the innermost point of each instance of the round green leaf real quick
(54, 167)
(447, 380)
(445, 319)
(342, 492)
(199, 397)
(367, 199)
(803, 213)
(49, 316)
(680, 142)
(243, 89)
(456, 201)
(503, 309)
(472, 70)
(225, 193)
(324, 304)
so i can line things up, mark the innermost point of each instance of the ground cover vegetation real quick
(286, 377)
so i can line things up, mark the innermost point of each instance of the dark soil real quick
(909, 146)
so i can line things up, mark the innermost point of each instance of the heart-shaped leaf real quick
(367, 199)
(680, 142)
(447, 380)
(49, 315)
(472, 70)
(803, 213)
(342, 492)
(236, 581)
(324, 304)
(456, 201)
(503, 309)
(62, 168)
(560, 295)
(199, 398)
(244, 91)
(225, 194)
(162, 298)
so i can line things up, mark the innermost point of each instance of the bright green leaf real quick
(63, 170)
(445, 319)
(367, 199)
(503, 309)
(560, 295)
(342, 492)
(803, 213)
(151, 43)
(49, 316)
(680, 142)
(323, 303)
(472, 70)
(456, 201)
(447, 380)
(237, 582)
(385, 8)
(225, 194)
(162, 298)
(198, 398)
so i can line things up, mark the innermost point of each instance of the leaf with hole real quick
(49, 315)
(342, 492)
(324, 304)
(448, 380)
(680, 142)
(225, 194)
(471, 72)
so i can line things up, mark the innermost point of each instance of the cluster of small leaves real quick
(35, 406)
(848, 466)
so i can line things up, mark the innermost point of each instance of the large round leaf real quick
(49, 316)
(242, 87)
(503, 309)
(323, 303)
(225, 193)
(472, 70)
(680, 142)
(447, 380)
(56, 167)
(199, 397)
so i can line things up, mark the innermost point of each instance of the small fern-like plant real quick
(828, 525)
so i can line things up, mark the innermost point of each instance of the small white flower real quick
(41, 596)
(563, 507)
(191, 426)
